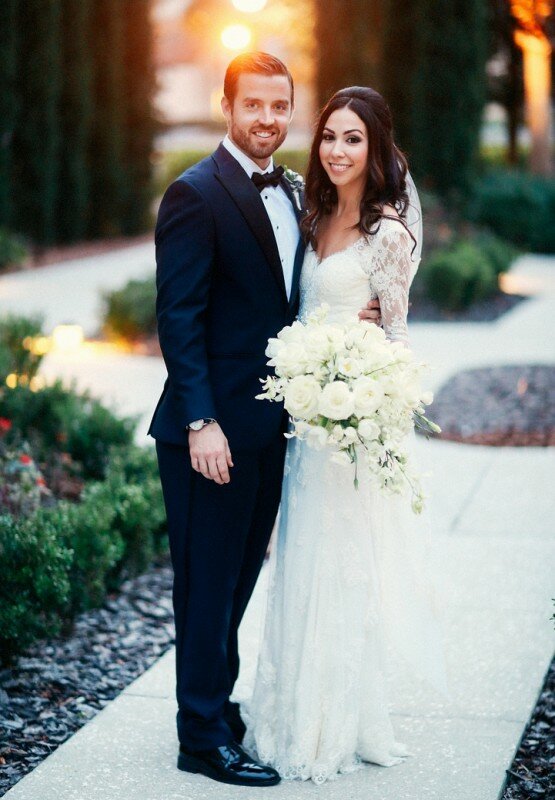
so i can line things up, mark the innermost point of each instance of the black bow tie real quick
(267, 179)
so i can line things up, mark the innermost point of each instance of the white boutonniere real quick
(296, 182)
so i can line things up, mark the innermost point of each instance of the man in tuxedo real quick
(228, 254)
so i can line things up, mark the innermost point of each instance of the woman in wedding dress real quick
(347, 572)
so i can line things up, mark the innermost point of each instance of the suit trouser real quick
(218, 539)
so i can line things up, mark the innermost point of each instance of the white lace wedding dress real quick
(347, 570)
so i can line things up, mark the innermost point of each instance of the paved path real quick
(493, 555)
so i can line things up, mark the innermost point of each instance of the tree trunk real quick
(536, 52)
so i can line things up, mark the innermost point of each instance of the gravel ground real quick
(499, 406)
(60, 684)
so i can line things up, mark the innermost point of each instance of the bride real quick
(347, 572)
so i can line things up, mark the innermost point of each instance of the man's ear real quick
(226, 107)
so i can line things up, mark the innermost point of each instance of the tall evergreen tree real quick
(8, 103)
(347, 34)
(399, 65)
(75, 119)
(449, 92)
(106, 145)
(36, 137)
(138, 116)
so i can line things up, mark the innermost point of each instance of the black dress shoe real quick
(227, 764)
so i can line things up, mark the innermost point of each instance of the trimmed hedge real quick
(60, 419)
(12, 250)
(66, 557)
(130, 312)
(458, 276)
(35, 587)
(518, 207)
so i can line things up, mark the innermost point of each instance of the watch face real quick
(197, 425)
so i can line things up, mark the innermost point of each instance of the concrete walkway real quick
(493, 559)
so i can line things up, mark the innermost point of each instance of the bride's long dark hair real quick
(386, 166)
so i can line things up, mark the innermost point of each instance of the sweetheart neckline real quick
(320, 261)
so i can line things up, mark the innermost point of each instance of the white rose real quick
(401, 352)
(317, 437)
(368, 429)
(336, 335)
(274, 346)
(293, 333)
(336, 401)
(365, 335)
(368, 396)
(290, 361)
(377, 357)
(350, 436)
(427, 398)
(301, 397)
(350, 367)
(317, 344)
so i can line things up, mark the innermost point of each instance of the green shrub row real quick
(60, 419)
(517, 206)
(15, 354)
(465, 272)
(130, 312)
(12, 250)
(65, 558)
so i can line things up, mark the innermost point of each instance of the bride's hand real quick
(372, 312)
(210, 453)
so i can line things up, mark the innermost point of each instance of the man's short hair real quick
(258, 63)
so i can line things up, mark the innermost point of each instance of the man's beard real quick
(256, 149)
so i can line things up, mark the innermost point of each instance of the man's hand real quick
(210, 454)
(372, 312)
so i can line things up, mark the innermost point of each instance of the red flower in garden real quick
(25, 459)
(5, 425)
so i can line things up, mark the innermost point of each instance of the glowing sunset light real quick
(67, 338)
(236, 37)
(249, 6)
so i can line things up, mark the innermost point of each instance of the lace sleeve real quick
(388, 265)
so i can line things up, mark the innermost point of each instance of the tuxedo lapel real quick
(286, 186)
(297, 267)
(246, 196)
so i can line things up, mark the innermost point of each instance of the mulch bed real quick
(59, 684)
(511, 406)
(532, 773)
(422, 310)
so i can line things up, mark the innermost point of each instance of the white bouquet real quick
(346, 387)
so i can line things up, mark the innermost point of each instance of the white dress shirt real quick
(280, 212)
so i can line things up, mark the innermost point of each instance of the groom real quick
(228, 255)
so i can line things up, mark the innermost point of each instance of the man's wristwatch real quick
(199, 424)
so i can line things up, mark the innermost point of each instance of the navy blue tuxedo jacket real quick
(221, 296)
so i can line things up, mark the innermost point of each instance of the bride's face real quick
(344, 148)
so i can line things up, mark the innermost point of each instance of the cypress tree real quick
(106, 144)
(347, 34)
(36, 137)
(75, 120)
(139, 123)
(449, 92)
(400, 65)
(8, 103)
